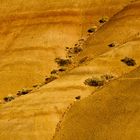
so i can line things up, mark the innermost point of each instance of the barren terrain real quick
(33, 34)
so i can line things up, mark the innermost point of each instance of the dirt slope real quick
(121, 28)
(36, 115)
(33, 33)
(110, 114)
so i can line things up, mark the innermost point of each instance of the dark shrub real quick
(107, 77)
(54, 72)
(50, 79)
(78, 97)
(35, 86)
(8, 98)
(62, 62)
(74, 50)
(112, 45)
(23, 92)
(77, 50)
(103, 19)
(81, 40)
(94, 82)
(62, 69)
(92, 30)
(69, 56)
(128, 61)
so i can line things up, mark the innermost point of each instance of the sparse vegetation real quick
(35, 86)
(50, 79)
(74, 50)
(112, 45)
(92, 30)
(103, 19)
(98, 81)
(54, 72)
(129, 61)
(78, 97)
(62, 62)
(77, 49)
(107, 77)
(62, 69)
(8, 98)
(23, 92)
(81, 40)
(94, 82)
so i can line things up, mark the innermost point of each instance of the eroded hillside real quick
(33, 33)
(111, 113)
(44, 113)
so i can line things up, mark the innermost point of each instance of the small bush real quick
(78, 97)
(54, 72)
(35, 86)
(23, 92)
(128, 61)
(94, 82)
(77, 50)
(8, 98)
(62, 69)
(107, 77)
(81, 40)
(62, 62)
(103, 19)
(50, 79)
(92, 30)
(69, 56)
(112, 45)
(74, 50)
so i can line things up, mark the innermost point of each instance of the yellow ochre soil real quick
(33, 34)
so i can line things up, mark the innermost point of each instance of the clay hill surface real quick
(67, 106)
(33, 33)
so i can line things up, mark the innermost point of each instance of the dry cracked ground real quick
(70, 70)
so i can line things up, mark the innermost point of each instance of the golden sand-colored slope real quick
(122, 27)
(33, 33)
(35, 116)
(111, 113)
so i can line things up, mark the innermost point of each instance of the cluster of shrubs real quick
(50, 79)
(19, 93)
(59, 70)
(98, 81)
(107, 77)
(23, 92)
(129, 61)
(94, 82)
(62, 62)
(75, 50)
(9, 98)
